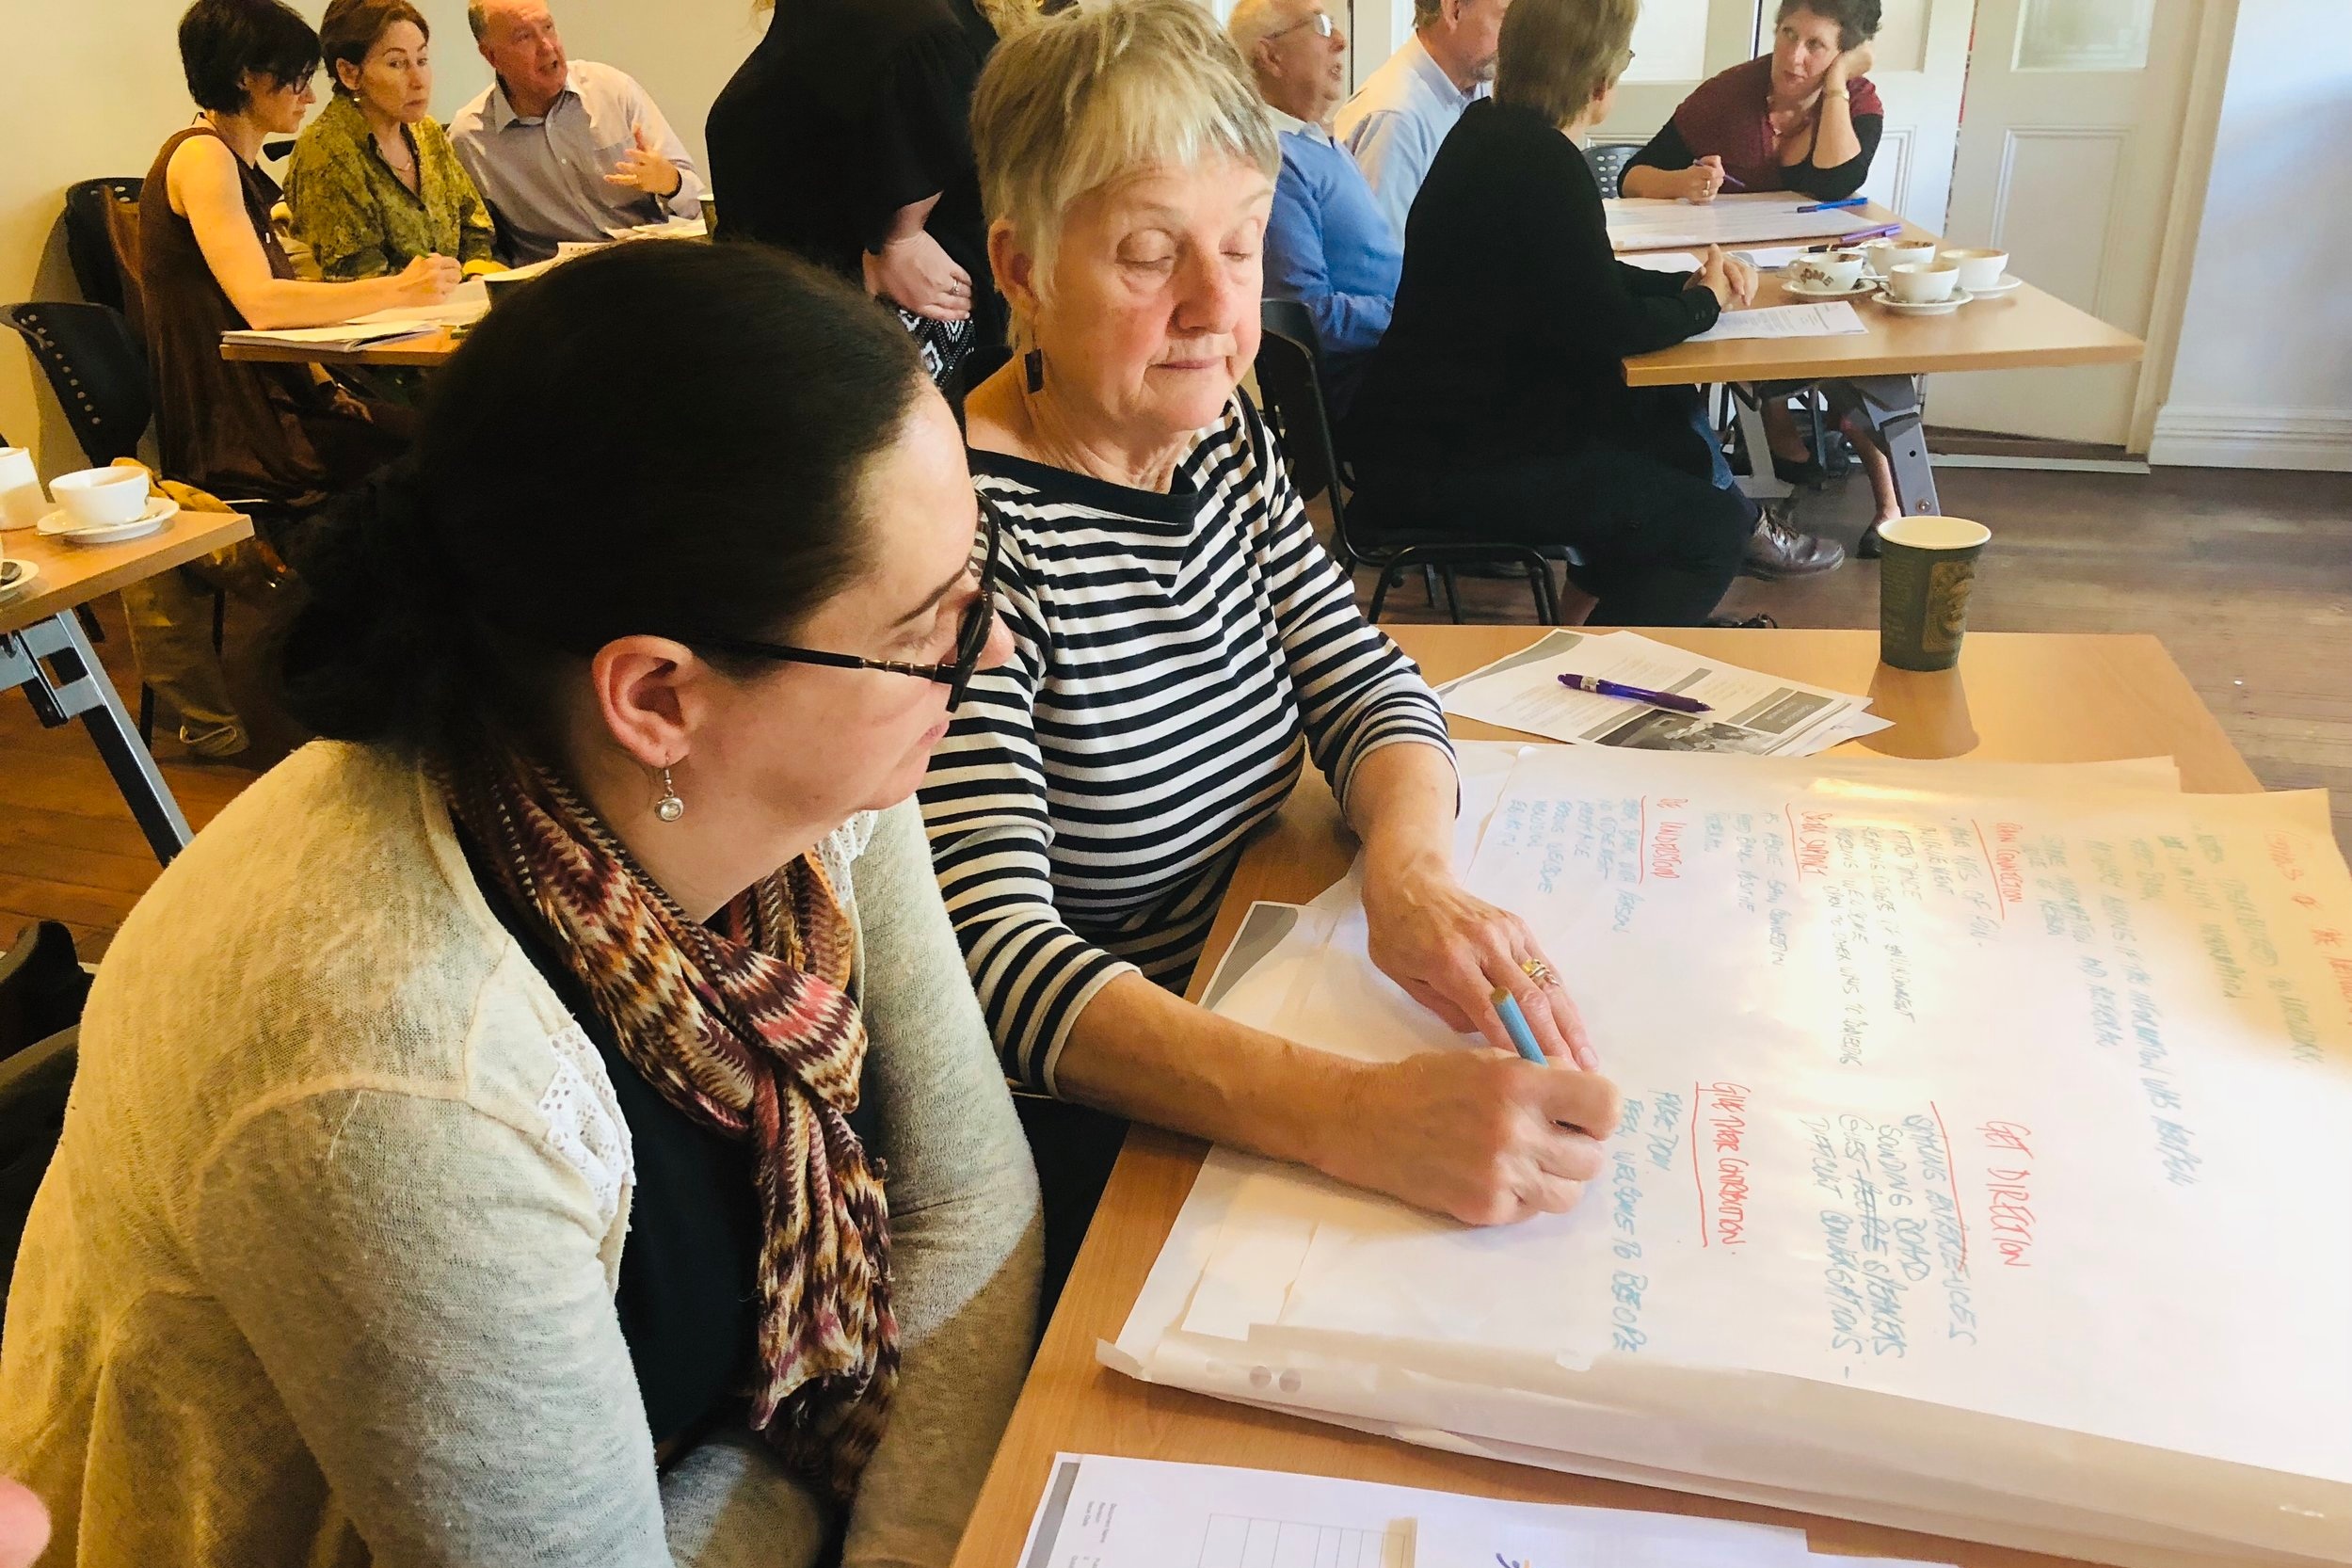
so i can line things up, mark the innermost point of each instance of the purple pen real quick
(1674, 700)
(1884, 231)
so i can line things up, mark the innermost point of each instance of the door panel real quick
(2074, 121)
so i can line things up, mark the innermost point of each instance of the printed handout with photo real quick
(1658, 731)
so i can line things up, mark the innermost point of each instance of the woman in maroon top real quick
(1804, 117)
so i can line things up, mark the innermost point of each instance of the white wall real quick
(93, 86)
(2262, 377)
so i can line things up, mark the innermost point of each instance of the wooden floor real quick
(2247, 577)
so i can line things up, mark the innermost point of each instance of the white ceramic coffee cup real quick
(99, 497)
(1927, 284)
(1886, 255)
(1830, 270)
(1979, 269)
(21, 502)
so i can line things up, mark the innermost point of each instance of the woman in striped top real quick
(1181, 646)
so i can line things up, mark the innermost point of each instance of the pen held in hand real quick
(1672, 700)
(1515, 1025)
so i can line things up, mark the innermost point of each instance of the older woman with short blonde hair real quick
(1182, 645)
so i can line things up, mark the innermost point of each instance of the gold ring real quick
(1540, 972)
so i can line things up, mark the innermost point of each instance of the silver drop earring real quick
(669, 807)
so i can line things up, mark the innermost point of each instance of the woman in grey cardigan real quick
(548, 1122)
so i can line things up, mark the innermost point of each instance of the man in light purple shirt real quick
(1394, 124)
(562, 148)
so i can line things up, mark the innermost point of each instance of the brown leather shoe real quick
(1777, 550)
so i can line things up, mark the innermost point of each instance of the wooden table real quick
(422, 352)
(2014, 697)
(43, 649)
(2024, 329)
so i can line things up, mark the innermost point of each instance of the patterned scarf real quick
(748, 1029)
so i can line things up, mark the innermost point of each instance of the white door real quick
(2066, 155)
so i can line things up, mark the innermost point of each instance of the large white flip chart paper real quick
(1980, 1167)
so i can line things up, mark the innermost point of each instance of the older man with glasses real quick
(1329, 245)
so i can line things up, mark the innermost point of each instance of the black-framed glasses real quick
(1321, 22)
(970, 637)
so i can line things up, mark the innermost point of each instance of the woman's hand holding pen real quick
(1480, 1135)
(1450, 949)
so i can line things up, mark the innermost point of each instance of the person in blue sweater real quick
(1329, 245)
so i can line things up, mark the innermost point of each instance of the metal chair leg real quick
(147, 715)
(1453, 594)
(1380, 592)
(1429, 583)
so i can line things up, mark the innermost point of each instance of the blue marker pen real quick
(1515, 1025)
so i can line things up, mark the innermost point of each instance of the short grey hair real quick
(1083, 99)
(477, 18)
(1426, 12)
(1254, 21)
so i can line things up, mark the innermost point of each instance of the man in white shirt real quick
(564, 149)
(1396, 120)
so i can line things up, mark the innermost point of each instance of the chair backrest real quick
(88, 241)
(43, 987)
(34, 1084)
(1290, 380)
(1608, 160)
(97, 369)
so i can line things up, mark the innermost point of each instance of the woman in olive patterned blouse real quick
(375, 182)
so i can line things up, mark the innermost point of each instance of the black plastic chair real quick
(97, 368)
(1290, 379)
(34, 1084)
(88, 242)
(99, 372)
(43, 987)
(1608, 160)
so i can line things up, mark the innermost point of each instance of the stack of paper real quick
(1103, 1512)
(1650, 223)
(1758, 714)
(1979, 1171)
(1835, 319)
(342, 339)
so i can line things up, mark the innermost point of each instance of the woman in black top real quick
(1497, 403)
(846, 136)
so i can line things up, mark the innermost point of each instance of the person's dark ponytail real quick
(662, 438)
(362, 644)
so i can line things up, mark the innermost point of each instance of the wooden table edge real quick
(422, 352)
(186, 537)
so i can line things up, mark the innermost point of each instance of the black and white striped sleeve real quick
(1357, 691)
(985, 806)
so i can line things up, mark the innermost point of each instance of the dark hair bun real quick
(661, 438)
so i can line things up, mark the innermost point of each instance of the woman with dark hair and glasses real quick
(565, 1133)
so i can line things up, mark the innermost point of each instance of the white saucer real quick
(2010, 283)
(1800, 291)
(16, 576)
(1928, 308)
(160, 510)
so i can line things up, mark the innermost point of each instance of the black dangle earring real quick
(1034, 368)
